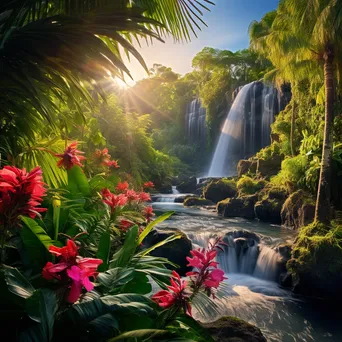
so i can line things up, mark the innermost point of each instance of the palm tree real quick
(56, 52)
(305, 36)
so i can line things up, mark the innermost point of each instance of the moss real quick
(196, 201)
(249, 186)
(316, 262)
(219, 190)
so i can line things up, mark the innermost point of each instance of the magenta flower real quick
(80, 279)
(71, 267)
(214, 278)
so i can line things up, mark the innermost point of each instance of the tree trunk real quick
(293, 117)
(323, 210)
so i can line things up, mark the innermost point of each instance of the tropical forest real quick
(171, 170)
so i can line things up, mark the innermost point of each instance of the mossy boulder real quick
(237, 207)
(219, 190)
(316, 261)
(298, 210)
(175, 251)
(269, 167)
(187, 185)
(249, 186)
(193, 201)
(232, 329)
(269, 206)
(246, 167)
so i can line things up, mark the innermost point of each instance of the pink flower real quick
(214, 278)
(177, 294)
(206, 273)
(122, 187)
(80, 278)
(70, 157)
(148, 185)
(21, 193)
(71, 267)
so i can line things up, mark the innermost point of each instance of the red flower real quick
(148, 213)
(122, 187)
(102, 157)
(71, 267)
(113, 164)
(125, 225)
(144, 197)
(113, 200)
(214, 279)
(132, 195)
(21, 193)
(177, 294)
(70, 157)
(148, 185)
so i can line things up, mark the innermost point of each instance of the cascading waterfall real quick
(247, 127)
(195, 123)
(243, 253)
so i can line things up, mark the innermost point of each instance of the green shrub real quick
(269, 152)
(249, 186)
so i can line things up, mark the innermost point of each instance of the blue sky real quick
(227, 28)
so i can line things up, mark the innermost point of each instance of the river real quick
(251, 291)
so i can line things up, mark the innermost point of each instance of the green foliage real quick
(249, 186)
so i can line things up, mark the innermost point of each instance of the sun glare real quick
(122, 84)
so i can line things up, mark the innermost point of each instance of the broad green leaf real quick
(37, 231)
(17, 283)
(115, 277)
(125, 254)
(150, 226)
(77, 182)
(41, 307)
(103, 251)
(140, 334)
(139, 284)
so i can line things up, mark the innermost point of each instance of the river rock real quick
(268, 211)
(298, 210)
(232, 329)
(188, 185)
(219, 190)
(181, 199)
(237, 207)
(193, 201)
(175, 251)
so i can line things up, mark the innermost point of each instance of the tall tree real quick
(304, 39)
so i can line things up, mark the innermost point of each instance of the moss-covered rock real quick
(232, 329)
(249, 186)
(237, 207)
(269, 167)
(187, 185)
(175, 251)
(316, 261)
(271, 200)
(219, 190)
(298, 210)
(193, 201)
(246, 167)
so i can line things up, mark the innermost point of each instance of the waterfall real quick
(243, 253)
(231, 134)
(195, 123)
(174, 190)
(247, 127)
